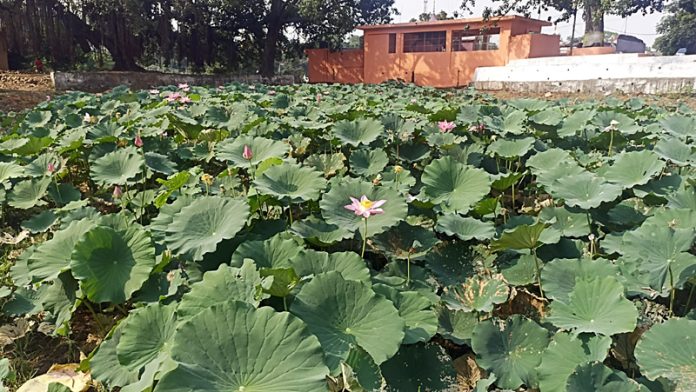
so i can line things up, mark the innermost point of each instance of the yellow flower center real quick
(366, 203)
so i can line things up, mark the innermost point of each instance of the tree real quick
(678, 28)
(593, 11)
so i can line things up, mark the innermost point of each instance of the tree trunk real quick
(274, 25)
(594, 23)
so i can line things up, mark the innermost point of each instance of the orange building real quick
(443, 53)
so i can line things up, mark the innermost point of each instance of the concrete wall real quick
(101, 81)
(593, 50)
(630, 73)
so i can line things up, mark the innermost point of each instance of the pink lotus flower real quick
(184, 86)
(117, 192)
(48, 97)
(173, 96)
(365, 207)
(247, 153)
(184, 99)
(446, 126)
(477, 128)
(138, 141)
(318, 97)
(271, 92)
(51, 168)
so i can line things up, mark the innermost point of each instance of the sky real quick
(638, 25)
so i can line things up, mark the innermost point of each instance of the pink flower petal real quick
(378, 203)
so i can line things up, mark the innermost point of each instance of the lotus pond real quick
(314, 238)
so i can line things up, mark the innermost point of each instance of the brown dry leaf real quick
(66, 374)
(523, 302)
(468, 372)
(11, 332)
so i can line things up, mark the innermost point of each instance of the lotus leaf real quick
(232, 347)
(358, 132)
(668, 350)
(596, 377)
(465, 228)
(367, 163)
(633, 168)
(584, 190)
(405, 241)
(559, 276)
(456, 187)
(292, 183)
(456, 325)
(118, 167)
(477, 293)
(275, 252)
(317, 230)
(513, 352)
(53, 256)
(415, 309)
(344, 313)
(262, 149)
(595, 305)
(349, 264)
(28, 193)
(511, 148)
(420, 367)
(200, 226)
(146, 336)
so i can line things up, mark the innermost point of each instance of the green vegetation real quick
(314, 237)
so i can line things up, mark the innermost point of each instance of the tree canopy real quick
(234, 35)
(678, 28)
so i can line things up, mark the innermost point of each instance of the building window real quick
(392, 43)
(431, 41)
(470, 40)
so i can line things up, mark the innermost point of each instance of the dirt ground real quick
(20, 91)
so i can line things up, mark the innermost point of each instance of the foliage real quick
(677, 28)
(217, 269)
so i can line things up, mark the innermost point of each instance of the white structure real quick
(629, 73)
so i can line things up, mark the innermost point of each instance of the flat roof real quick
(448, 22)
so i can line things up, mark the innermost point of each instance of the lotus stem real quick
(362, 253)
(611, 141)
(285, 303)
(290, 213)
(513, 197)
(691, 296)
(408, 269)
(94, 315)
(672, 291)
(538, 271)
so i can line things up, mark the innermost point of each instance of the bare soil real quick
(20, 91)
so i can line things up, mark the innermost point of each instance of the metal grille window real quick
(471, 40)
(392, 43)
(431, 41)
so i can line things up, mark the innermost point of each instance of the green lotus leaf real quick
(283, 281)
(349, 264)
(344, 313)
(529, 104)
(224, 284)
(200, 226)
(626, 125)
(456, 325)
(40, 222)
(451, 262)
(405, 241)
(668, 350)
(9, 170)
(367, 163)
(633, 168)
(53, 256)
(547, 160)
(584, 190)
(565, 353)
(399, 179)
(660, 251)
(318, 231)
(575, 123)
(505, 181)
(415, 309)
(146, 336)
(465, 228)
(104, 365)
(234, 347)
(60, 301)
(275, 252)
(477, 293)
(360, 372)
(511, 148)
(512, 122)
(551, 116)
(160, 163)
(520, 237)
(28, 193)
(569, 224)
(329, 164)
(358, 132)
(37, 118)
(679, 125)
(560, 275)
(262, 149)
(333, 202)
(64, 194)
(595, 305)
(39, 166)
(674, 150)
(414, 152)
(456, 187)
(513, 352)
(675, 218)
(112, 264)
(292, 183)
(597, 377)
(420, 367)
(118, 167)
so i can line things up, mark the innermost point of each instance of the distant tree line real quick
(230, 34)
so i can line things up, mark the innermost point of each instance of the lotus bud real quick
(247, 153)
(138, 141)
(591, 237)
(398, 169)
(117, 192)
(318, 97)
(51, 167)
